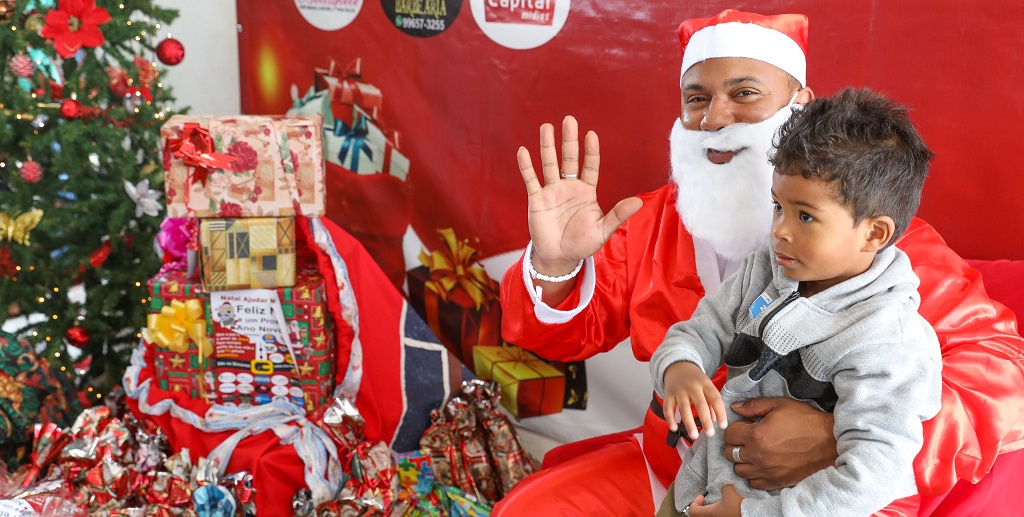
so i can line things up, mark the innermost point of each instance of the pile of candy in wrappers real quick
(109, 464)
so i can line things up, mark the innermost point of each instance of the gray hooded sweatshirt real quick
(858, 349)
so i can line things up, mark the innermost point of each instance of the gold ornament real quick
(35, 22)
(16, 229)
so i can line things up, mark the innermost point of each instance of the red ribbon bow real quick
(195, 148)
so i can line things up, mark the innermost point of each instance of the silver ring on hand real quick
(570, 176)
(736, 454)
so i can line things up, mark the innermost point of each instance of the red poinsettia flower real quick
(75, 24)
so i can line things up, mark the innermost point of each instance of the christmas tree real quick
(81, 104)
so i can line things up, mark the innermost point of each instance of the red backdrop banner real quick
(462, 84)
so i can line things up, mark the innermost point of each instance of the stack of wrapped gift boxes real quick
(250, 325)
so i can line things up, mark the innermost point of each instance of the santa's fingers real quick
(526, 170)
(591, 158)
(570, 148)
(619, 213)
(548, 155)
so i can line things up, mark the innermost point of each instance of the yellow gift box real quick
(253, 253)
(529, 386)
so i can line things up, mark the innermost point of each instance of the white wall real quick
(207, 79)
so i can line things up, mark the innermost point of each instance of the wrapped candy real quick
(109, 484)
(180, 465)
(206, 472)
(474, 450)
(213, 501)
(240, 485)
(462, 505)
(510, 459)
(151, 451)
(48, 441)
(302, 503)
(49, 498)
(374, 481)
(166, 489)
(348, 508)
(439, 440)
(342, 422)
(108, 464)
(473, 446)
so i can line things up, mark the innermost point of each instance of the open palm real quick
(566, 222)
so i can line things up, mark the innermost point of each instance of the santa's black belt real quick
(673, 436)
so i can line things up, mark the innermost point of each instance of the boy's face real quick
(814, 236)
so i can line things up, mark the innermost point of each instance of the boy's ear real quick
(880, 230)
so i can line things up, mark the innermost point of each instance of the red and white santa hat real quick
(779, 40)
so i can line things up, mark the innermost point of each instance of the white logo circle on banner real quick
(329, 15)
(520, 24)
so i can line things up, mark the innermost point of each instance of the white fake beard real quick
(728, 205)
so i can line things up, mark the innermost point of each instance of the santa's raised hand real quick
(566, 223)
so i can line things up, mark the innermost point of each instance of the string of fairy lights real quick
(145, 41)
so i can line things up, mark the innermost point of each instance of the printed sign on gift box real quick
(456, 298)
(257, 252)
(254, 360)
(529, 386)
(243, 166)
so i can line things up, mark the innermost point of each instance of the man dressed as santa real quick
(589, 280)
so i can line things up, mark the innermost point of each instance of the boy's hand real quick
(729, 506)
(686, 385)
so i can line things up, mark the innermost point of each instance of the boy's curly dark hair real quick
(865, 146)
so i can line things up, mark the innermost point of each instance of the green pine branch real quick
(85, 162)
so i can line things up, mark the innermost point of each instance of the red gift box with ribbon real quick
(456, 298)
(181, 318)
(346, 90)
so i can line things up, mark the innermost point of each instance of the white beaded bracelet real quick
(553, 279)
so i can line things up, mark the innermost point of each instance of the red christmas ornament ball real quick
(170, 52)
(22, 66)
(70, 108)
(31, 171)
(77, 336)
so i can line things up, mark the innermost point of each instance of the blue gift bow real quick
(354, 136)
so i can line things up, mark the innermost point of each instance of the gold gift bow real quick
(452, 267)
(175, 323)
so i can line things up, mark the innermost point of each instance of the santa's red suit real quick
(646, 280)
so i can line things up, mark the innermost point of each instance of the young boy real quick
(827, 314)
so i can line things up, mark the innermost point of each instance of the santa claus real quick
(589, 280)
